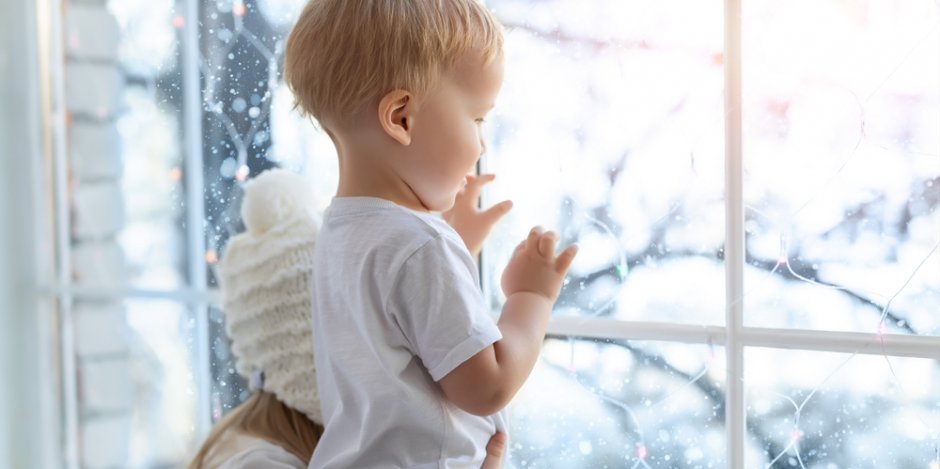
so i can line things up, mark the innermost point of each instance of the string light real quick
(242, 173)
(796, 435)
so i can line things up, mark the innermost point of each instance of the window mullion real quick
(602, 328)
(822, 341)
(207, 296)
(734, 237)
(195, 206)
(54, 104)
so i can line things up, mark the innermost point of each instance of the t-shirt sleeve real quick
(437, 304)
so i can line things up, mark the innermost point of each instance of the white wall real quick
(24, 385)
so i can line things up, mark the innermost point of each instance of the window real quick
(754, 186)
(616, 111)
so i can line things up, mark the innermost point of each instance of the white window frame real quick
(733, 336)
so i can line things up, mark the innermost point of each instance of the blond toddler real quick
(412, 370)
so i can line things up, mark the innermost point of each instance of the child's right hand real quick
(535, 268)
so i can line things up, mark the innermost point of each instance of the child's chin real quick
(440, 200)
(440, 204)
(444, 206)
(445, 203)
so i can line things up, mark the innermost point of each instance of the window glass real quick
(136, 383)
(228, 387)
(249, 123)
(607, 403)
(164, 373)
(842, 165)
(815, 409)
(609, 130)
(150, 141)
(153, 239)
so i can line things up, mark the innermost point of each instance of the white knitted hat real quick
(265, 282)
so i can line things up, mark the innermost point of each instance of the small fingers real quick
(566, 258)
(533, 239)
(494, 452)
(494, 213)
(483, 179)
(547, 244)
(475, 183)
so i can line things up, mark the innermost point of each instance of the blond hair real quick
(343, 54)
(264, 416)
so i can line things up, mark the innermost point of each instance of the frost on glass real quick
(609, 130)
(842, 165)
(593, 404)
(821, 410)
(164, 418)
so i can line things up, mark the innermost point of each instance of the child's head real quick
(412, 77)
(265, 280)
(343, 55)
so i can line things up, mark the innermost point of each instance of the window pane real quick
(814, 409)
(247, 126)
(136, 383)
(239, 65)
(609, 130)
(229, 389)
(151, 153)
(248, 120)
(842, 164)
(592, 404)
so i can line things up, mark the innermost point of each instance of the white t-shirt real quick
(238, 451)
(396, 307)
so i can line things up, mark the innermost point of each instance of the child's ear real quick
(396, 111)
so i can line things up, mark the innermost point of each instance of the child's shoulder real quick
(383, 220)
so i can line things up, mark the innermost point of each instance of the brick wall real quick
(94, 86)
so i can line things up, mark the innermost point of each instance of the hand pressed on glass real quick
(535, 268)
(468, 220)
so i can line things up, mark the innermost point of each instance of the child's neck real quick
(363, 173)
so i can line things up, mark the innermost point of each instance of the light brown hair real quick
(343, 54)
(265, 417)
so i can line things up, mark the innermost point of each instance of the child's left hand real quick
(472, 224)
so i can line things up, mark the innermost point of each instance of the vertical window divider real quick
(195, 206)
(52, 57)
(734, 237)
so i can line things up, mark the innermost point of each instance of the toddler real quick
(411, 369)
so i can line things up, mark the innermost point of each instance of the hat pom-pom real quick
(273, 197)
